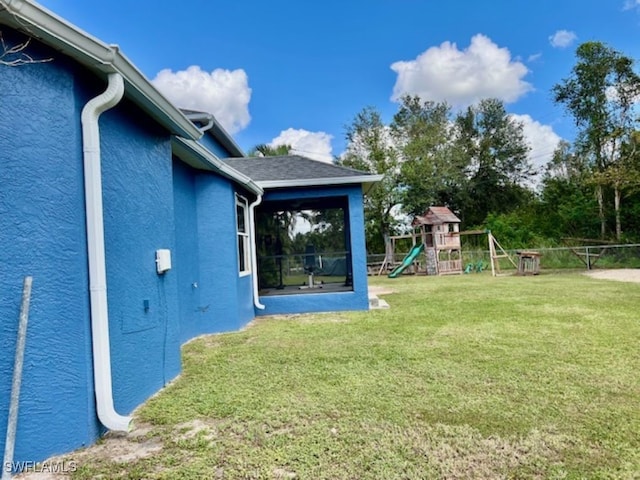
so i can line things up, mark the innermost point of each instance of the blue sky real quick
(297, 72)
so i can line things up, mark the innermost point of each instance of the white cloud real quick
(359, 146)
(613, 95)
(541, 138)
(315, 145)
(534, 57)
(462, 77)
(562, 39)
(224, 93)
(631, 4)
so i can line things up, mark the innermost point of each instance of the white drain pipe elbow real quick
(96, 253)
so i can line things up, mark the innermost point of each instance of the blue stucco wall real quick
(187, 259)
(225, 297)
(213, 145)
(213, 297)
(138, 220)
(358, 299)
(42, 233)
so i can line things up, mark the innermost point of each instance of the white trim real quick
(194, 154)
(365, 180)
(246, 237)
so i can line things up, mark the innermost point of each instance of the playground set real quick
(436, 249)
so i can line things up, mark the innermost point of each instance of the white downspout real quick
(254, 254)
(95, 250)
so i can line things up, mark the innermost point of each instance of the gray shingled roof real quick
(295, 171)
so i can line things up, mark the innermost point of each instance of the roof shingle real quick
(436, 216)
(296, 170)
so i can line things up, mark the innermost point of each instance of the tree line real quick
(476, 161)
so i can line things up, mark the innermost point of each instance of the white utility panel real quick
(163, 260)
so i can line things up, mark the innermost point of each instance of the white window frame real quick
(243, 237)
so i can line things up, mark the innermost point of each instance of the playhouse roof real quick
(436, 216)
(298, 171)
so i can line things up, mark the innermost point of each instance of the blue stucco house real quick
(137, 222)
(293, 183)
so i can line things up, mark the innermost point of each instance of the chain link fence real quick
(585, 257)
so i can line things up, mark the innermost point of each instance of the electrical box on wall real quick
(163, 260)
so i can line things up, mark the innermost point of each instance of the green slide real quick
(408, 260)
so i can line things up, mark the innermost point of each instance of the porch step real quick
(376, 303)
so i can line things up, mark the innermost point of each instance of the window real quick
(242, 229)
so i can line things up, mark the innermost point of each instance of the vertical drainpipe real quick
(96, 253)
(254, 254)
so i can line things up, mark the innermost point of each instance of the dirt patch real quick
(192, 429)
(113, 447)
(621, 275)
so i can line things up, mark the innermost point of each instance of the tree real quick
(566, 206)
(600, 94)
(16, 54)
(264, 150)
(566, 164)
(370, 149)
(433, 170)
(497, 155)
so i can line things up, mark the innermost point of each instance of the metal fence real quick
(587, 257)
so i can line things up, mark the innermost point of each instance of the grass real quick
(465, 377)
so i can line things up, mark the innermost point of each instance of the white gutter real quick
(96, 252)
(216, 130)
(367, 181)
(202, 117)
(254, 253)
(198, 156)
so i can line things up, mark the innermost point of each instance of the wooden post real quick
(492, 251)
(492, 254)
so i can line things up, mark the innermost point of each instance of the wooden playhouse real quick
(439, 230)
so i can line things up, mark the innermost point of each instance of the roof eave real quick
(367, 181)
(226, 140)
(40, 23)
(194, 154)
(217, 131)
(151, 100)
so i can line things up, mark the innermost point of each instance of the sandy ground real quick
(621, 275)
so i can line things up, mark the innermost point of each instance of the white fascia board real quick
(194, 154)
(225, 139)
(366, 180)
(150, 99)
(38, 22)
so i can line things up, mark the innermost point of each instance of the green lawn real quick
(464, 377)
